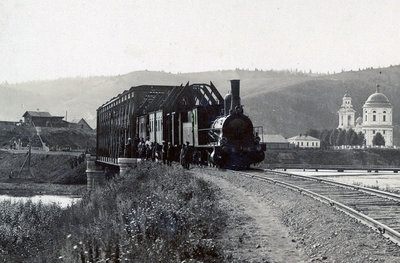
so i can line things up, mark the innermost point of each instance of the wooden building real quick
(276, 142)
(80, 124)
(43, 119)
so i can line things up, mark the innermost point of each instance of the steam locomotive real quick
(239, 145)
(194, 114)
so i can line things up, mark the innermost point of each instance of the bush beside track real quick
(152, 214)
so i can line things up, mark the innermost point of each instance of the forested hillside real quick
(286, 102)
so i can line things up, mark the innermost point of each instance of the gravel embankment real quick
(273, 224)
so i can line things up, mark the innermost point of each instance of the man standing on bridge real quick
(128, 148)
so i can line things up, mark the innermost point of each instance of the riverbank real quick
(52, 174)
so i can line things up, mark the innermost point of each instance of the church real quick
(376, 117)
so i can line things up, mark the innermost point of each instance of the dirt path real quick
(269, 223)
(255, 233)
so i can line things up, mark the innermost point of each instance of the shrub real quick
(154, 213)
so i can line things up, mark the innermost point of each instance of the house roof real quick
(80, 121)
(37, 114)
(303, 138)
(274, 138)
(43, 114)
(85, 122)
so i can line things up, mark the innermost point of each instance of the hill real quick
(314, 103)
(82, 96)
(283, 102)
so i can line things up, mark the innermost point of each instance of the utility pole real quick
(28, 160)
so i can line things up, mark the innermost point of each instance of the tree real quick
(361, 139)
(333, 137)
(324, 137)
(341, 138)
(313, 133)
(349, 136)
(378, 139)
(354, 139)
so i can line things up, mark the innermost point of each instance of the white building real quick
(346, 114)
(305, 141)
(377, 113)
(377, 117)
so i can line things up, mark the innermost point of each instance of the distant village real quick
(45, 119)
(32, 123)
(373, 128)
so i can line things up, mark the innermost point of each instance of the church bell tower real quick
(346, 114)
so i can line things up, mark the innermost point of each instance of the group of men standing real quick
(167, 153)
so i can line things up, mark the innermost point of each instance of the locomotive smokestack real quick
(235, 92)
(227, 103)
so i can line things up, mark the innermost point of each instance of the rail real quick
(378, 226)
(334, 167)
(393, 196)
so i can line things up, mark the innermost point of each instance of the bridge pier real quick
(94, 173)
(126, 164)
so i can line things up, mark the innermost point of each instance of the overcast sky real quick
(51, 39)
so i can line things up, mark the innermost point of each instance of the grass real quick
(152, 214)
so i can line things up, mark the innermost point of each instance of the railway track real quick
(377, 209)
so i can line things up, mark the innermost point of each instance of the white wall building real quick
(376, 117)
(305, 141)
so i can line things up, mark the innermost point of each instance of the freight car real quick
(192, 113)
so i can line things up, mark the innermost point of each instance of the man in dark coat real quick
(164, 150)
(128, 148)
(188, 155)
(135, 147)
(148, 152)
(170, 154)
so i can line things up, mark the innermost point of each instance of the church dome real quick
(377, 99)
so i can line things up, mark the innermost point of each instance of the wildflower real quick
(69, 236)
(75, 247)
(60, 257)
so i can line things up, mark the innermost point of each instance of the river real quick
(383, 179)
(61, 200)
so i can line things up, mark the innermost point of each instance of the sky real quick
(51, 39)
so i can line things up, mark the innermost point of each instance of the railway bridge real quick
(155, 113)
